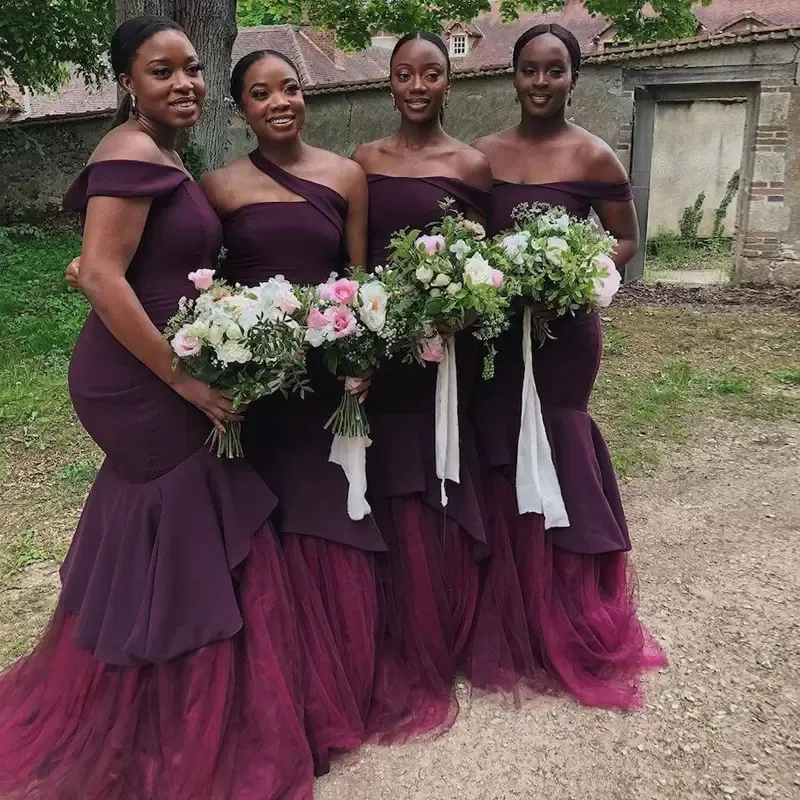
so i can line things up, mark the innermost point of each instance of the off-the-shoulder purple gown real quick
(430, 573)
(171, 668)
(557, 607)
(330, 557)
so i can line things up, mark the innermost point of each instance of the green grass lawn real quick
(666, 373)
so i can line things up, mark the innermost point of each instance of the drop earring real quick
(446, 98)
(569, 99)
(394, 102)
(134, 106)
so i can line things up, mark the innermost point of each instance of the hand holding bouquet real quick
(241, 340)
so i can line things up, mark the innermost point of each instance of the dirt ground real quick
(716, 532)
(717, 550)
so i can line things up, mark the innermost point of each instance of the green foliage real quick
(692, 217)
(673, 19)
(39, 315)
(722, 209)
(39, 37)
(250, 13)
(355, 21)
(193, 158)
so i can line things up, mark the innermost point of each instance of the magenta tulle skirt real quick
(225, 721)
(550, 620)
(428, 583)
(337, 616)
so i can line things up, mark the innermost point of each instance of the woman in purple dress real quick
(295, 210)
(171, 668)
(557, 606)
(430, 574)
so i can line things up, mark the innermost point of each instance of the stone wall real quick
(764, 70)
(618, 96)
(39, 161)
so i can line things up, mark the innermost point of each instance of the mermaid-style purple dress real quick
(171, 668)
(557, 607)
(430, 574)
(330, 557)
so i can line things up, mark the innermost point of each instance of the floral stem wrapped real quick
(241, 340)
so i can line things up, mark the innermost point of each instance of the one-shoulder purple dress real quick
(329, 556)
(430, 573)
(171, 667)
(557, 607)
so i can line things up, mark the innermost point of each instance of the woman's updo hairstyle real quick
(125, 44)
(244, 64)
(426, 37)
(566, 37)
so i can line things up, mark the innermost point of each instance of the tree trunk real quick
(211, 25)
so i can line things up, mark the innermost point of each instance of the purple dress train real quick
(557, 608)
(330, 557)
(171, 666)
(429, 576)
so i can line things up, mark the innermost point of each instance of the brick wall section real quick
(770, 249)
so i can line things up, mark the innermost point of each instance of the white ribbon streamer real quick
(538, 489)
(448, 456)
(350, 453)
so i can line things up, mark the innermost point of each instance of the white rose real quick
(374, 299)
(216, 333)
(555, 249)
(441, 280)
(234, 332)
(199, 329)
(477, 270)
(453, 288)
(436, 292)
(424, 274)
(607, 284)
(316, 337)
(232, 352)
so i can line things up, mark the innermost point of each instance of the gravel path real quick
(717, 549)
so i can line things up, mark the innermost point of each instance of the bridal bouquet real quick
(450, 280)
(453, 278)
(558, 261)
(354, 320)
(243, 341)
(563, 264)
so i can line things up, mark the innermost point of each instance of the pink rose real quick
(432, 349)
(606, 286)
(432, 244)
(342, 291)
(342, 319)
(316, 319)
(497, 278)
(202, 279)
(184, 344)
